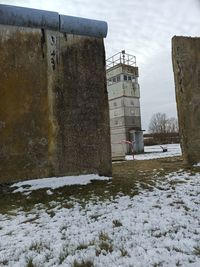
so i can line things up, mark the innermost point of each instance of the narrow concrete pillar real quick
(186, 66)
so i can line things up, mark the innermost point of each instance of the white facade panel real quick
(113, 72)
(132, 111)
(122, 89)
(118, 131)
(131, 89)
(124, 102)
(131, 102)
(117, 138)
(117, 112)
(115, 90)
(117, 122)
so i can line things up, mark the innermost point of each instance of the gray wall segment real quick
(35, 18)
(28, 17)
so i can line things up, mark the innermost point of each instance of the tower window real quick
(125, 77)
(109, 81)
(118, 78)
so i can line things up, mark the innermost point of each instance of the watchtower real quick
(124, 104)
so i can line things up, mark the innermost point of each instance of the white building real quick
(124, 104)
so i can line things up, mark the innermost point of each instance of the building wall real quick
(186, 65)
(54, 116)
(122, 68)
(118, 148)
(114, 71)
(123, 89)
(124, 101)
(128, 122)
(124, 109)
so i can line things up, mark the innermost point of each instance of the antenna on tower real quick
(123, 56)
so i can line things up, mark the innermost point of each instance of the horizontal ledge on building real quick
(130, 96)
(122, 107)
(35, 18)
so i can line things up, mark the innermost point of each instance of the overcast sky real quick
(143, 28)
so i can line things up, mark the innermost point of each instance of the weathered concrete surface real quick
(23, 105)
(82, 107)
(53, 105)
(186, 65)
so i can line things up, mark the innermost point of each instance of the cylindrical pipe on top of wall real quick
(35, 18)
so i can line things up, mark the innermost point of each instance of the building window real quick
(125, 77)
(129, 78)
(109, 81)
(114, 79)
(118, 78)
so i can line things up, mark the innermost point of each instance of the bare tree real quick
(161, 124)
(158, 123)
(172, 125)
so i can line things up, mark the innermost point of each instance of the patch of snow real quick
(197, 164)
(49, 192)
(159, 227)
(155, 152)
(56, 182)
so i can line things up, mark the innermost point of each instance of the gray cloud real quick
(143, 28)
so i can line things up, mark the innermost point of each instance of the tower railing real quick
(121, 58)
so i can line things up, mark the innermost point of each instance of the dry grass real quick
(126, 176)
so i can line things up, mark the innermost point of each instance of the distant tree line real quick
(161, 124)
(162, 130)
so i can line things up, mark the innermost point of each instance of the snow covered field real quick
(157, 227)
(155, 152)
